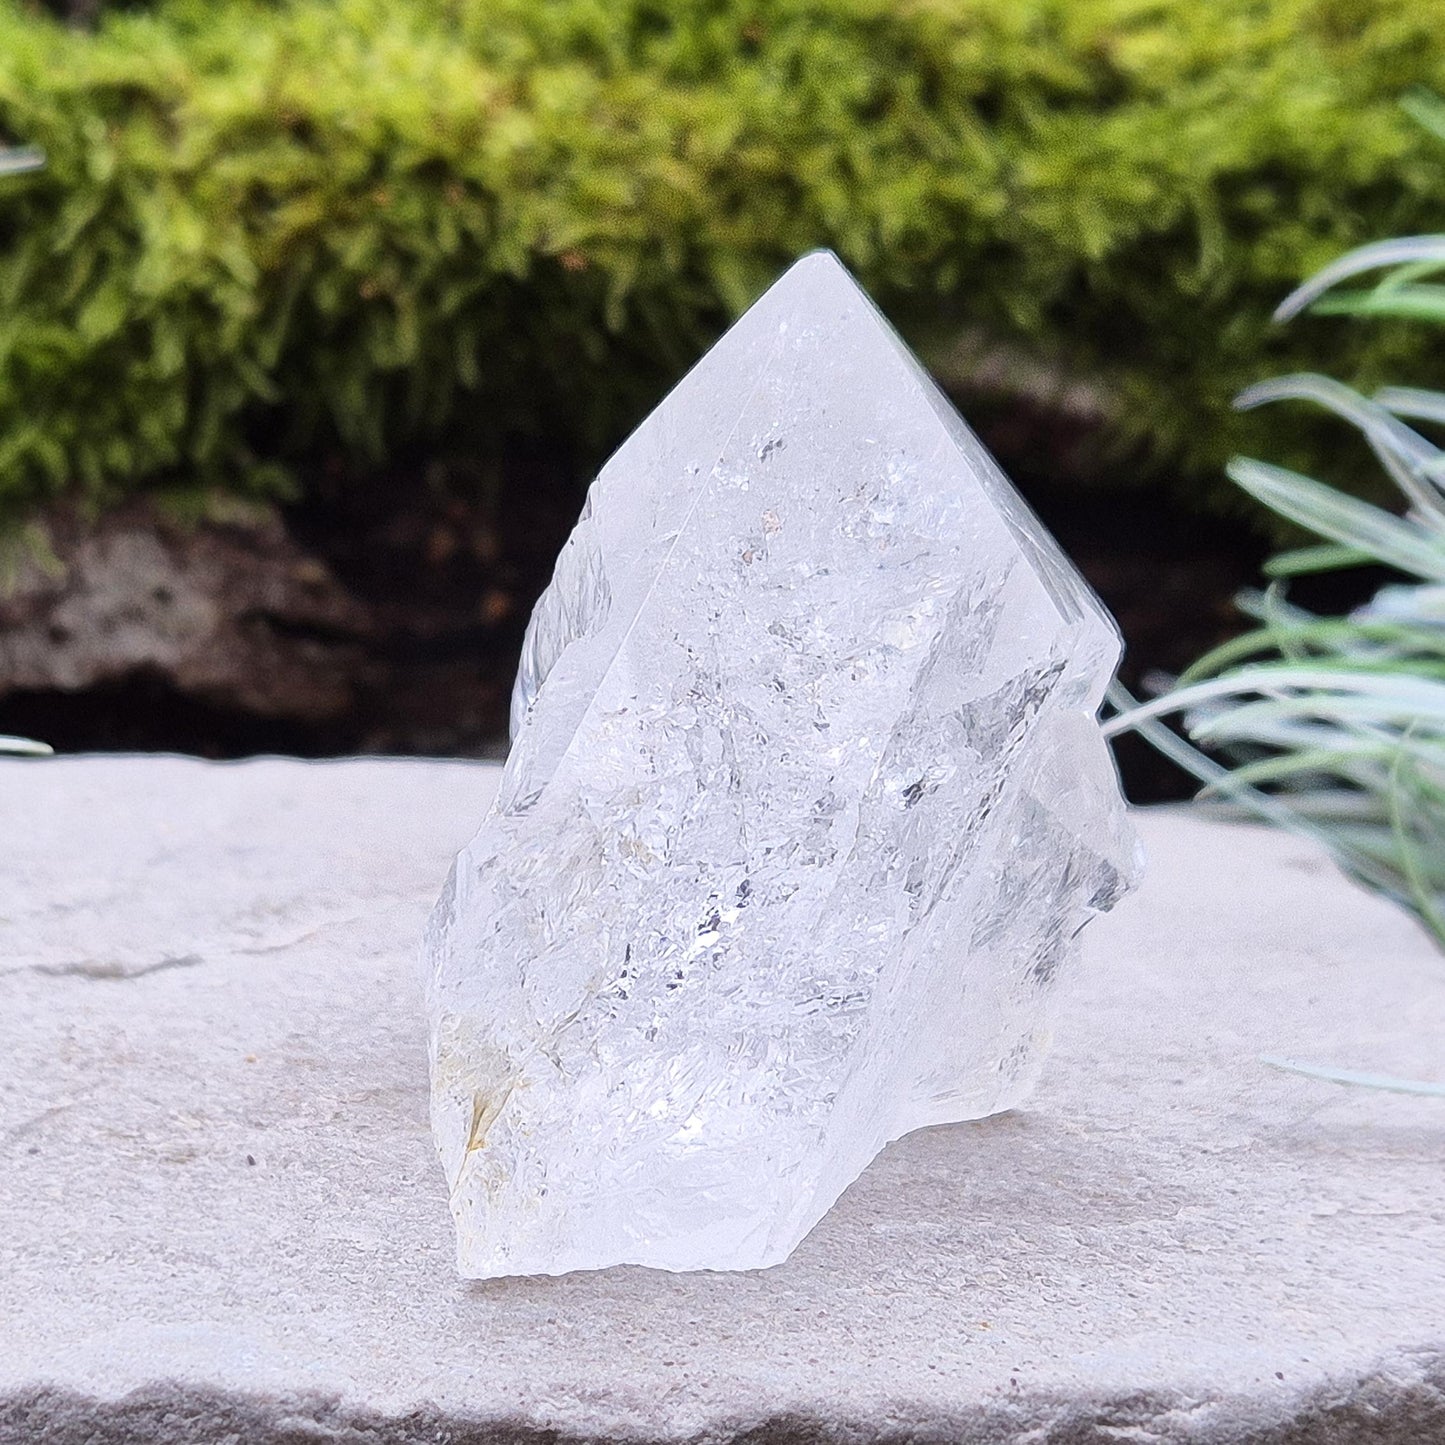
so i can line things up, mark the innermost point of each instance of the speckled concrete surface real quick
(220, 1217)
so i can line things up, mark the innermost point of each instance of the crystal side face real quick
(806, 804)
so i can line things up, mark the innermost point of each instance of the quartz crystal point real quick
(806, 803)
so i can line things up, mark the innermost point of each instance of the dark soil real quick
(361, 625)
(385, 615)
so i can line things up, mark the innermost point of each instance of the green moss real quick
(269, 232)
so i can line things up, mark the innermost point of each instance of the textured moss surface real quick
(272, 233)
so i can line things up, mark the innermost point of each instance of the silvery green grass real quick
(11, 163)
(1334, 727)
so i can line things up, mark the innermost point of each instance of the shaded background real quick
(320, 316)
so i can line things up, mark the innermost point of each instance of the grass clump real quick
(1334, 726)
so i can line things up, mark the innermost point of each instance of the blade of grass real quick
(1415, 697)
(1351, 1076)
(1419, 302)
(24, 747)
(1401, 251)
(1342, 519)
(1129, 717)
(1346, 403)
(1330, 557)
(17, 159)
(1425, 901)
(1412, 401)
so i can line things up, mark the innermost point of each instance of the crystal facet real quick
(806, 803)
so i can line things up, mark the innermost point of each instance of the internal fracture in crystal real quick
(806, 804)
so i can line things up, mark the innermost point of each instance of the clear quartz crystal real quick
(806, 804)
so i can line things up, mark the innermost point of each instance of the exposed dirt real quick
(357, 625)
(236, 614)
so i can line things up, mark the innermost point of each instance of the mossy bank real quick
(275, 238)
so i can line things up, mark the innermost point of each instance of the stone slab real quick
(221, 1217)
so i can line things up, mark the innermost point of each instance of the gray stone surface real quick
(221, 1217)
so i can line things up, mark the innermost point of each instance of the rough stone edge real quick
(1401, 1401)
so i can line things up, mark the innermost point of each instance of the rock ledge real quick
(223, 1220)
